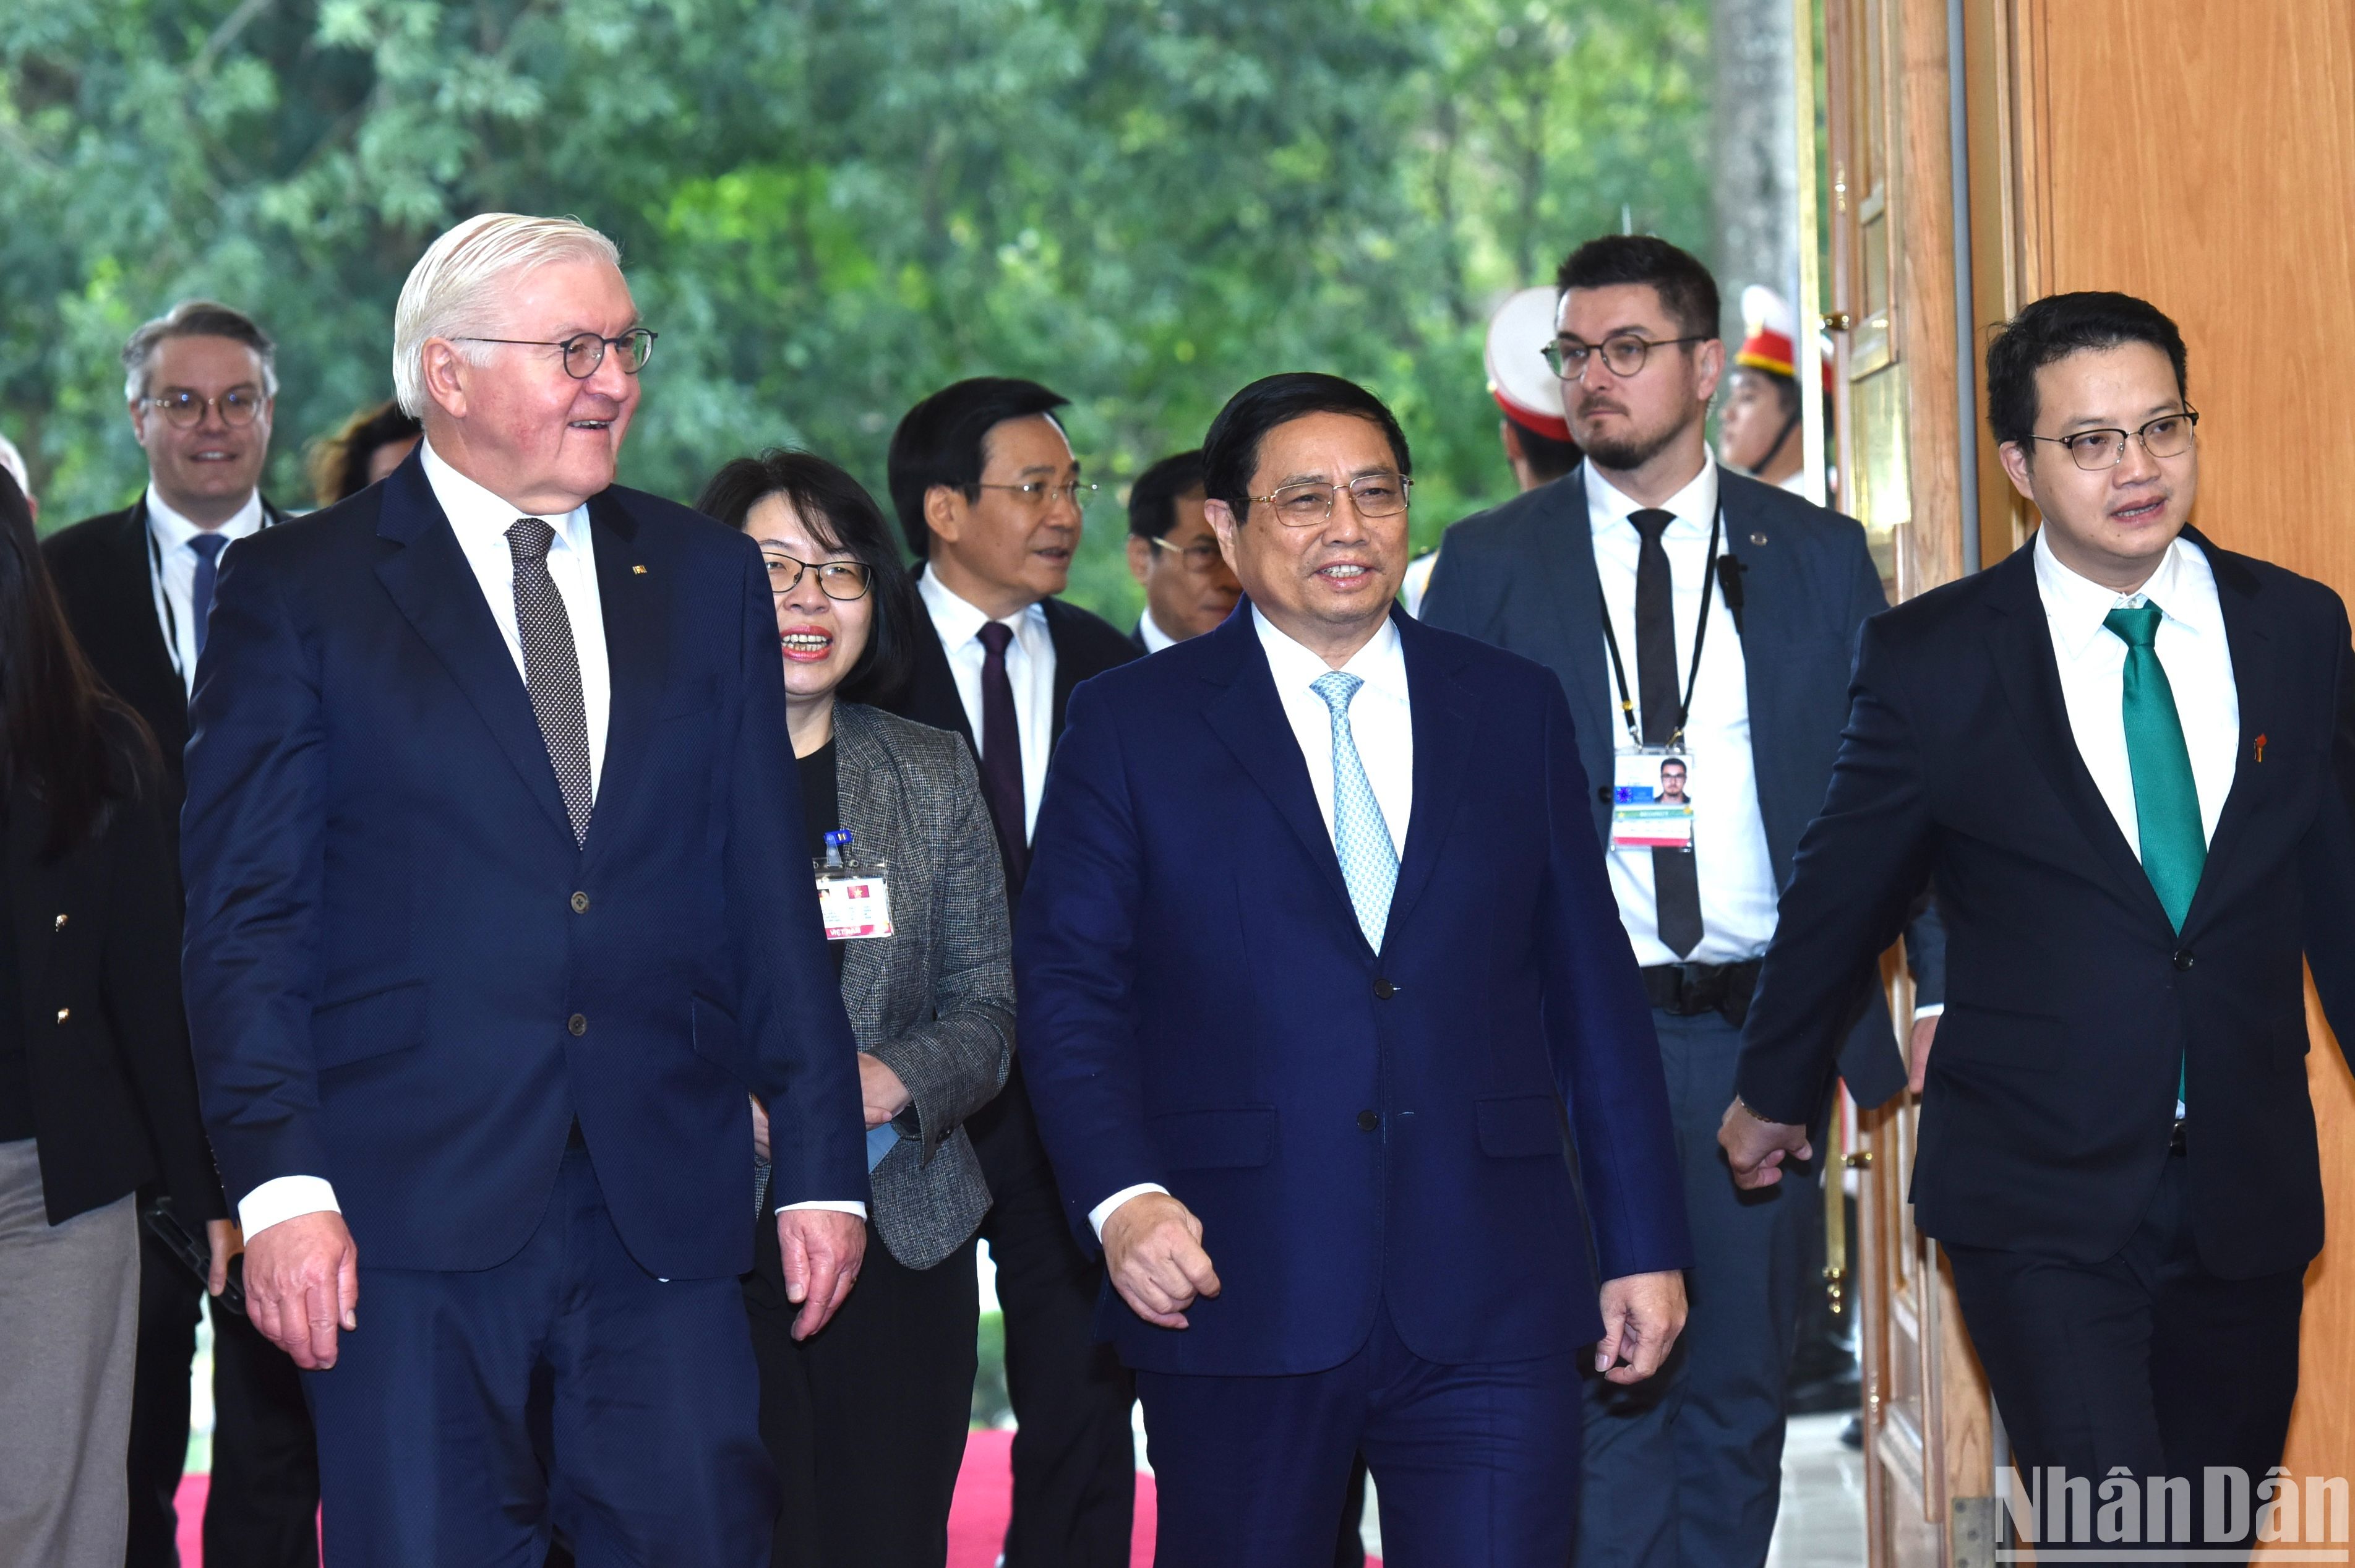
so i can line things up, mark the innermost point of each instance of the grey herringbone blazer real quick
(934, 1000)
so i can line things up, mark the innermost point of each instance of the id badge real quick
(854, 906)
(1651, 799)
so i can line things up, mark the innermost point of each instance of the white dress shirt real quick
(480, 520)
(1150, 633)
(1381, 723)
(172, 573)
(1738, 894)
(1029, 670)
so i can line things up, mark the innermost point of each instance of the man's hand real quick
(1642, 1316)
(881, 1088)
(302, 1282)
(823, 1249)
(1924, 1031)
(1152, 1250)
(226, 1244)
(1756, 1147)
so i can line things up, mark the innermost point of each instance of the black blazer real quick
(101, 568)
(96, 937)
(1523, 578)
(1085, 646)
(2070, 998)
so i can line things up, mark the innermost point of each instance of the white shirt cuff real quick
(1103, 1211)
(285, 1197)
(827, 1203)
(1930, 1011)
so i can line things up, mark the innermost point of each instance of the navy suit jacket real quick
(1523, 578)
(403, 975)
(1200, 1010)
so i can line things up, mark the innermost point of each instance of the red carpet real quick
(984, 1495)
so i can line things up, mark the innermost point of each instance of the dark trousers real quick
(566, 1388)
(1074, 1451)
(1472, 1464)
(169, 1307)
(262, 1510)
(865, 1420)
(2146, 1361)
(1686, 1468)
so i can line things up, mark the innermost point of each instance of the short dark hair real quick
(1153, 499)
(941, 442)
(1686, 290)
(196, 318)
(339, 463)
(1231, 450)
(837, 508)
(2056, 327)
(1548, 457)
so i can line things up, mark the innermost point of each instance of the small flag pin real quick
(637, 571)
(2261, 748)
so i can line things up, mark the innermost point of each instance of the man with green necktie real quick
(2124, 759)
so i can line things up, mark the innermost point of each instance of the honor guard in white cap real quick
(1759, 430)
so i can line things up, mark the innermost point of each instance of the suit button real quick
(64, 1013)
(580, 903)
(577, 1025)
(1369, 1120)
(1384, 990)
(1603, 794)
(2183, 960)
(60, 925)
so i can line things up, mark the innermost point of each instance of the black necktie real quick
(1001, 755)
(551, 667)
(1676, 881)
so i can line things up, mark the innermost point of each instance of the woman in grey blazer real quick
(865, 1420)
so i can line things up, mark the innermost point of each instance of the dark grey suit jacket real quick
(934, 1000)
(1522, 576)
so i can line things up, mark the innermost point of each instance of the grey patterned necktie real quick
(551, 667)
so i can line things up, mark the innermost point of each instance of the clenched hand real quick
(1152, 1250)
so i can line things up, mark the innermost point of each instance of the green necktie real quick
(2167, 802)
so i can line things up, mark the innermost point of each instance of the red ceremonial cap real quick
(1518, 376)
(1766, 341)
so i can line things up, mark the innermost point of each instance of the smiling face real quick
(516, 423)
(1627, 423)
(2109, 525)
(1001, 550)
(1189, 587)
(1327, 586)
(821, 638)
(205, 472)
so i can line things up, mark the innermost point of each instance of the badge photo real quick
(1651, 799)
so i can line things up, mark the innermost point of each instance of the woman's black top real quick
(16, 1080)
(822, 812)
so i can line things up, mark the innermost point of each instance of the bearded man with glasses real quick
(1693, 613)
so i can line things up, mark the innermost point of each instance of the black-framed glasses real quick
(185, 409)
(835, 579)
(2168, 435)
(1309, 502)
(1038, 494)
(1623, 352)
(1201, 557)
(584, 351)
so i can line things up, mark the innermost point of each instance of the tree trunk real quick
(1754, 186)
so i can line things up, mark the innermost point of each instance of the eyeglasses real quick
(835, 579)
(1308, 503)
(2168, 435)
(1200, 558)
(1038, 494)
(1623, 352)
(584, 351)
(183, 410)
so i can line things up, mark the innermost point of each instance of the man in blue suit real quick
(1703, 624)
(1329, 1017)
(495, 918)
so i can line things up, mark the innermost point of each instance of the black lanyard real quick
(1700, 639)
(163, 594)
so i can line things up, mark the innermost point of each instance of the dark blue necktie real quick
(208, 548)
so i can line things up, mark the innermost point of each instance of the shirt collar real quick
(172, 530)
(475, 511)
(1695, 505)
(2077, 606)
(1380, 664)
(959, 620)
(1149, 632)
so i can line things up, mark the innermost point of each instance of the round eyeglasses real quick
(585, 351)
(835, 579)
(185, 409)
(1308, 503)
(1037, 493)
(2168, 435)
(1623, 352)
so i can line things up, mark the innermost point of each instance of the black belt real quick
(1685, 990)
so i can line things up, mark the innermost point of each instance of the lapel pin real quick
(1757, 539)
(2261, 748)
(637, 571)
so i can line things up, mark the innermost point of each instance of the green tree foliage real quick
(829, 207)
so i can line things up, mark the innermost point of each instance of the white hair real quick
(14, 461)
(450, 295)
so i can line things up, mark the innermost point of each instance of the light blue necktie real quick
(1360, 838)
(208, 548)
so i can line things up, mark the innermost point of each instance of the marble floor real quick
(1822, 1521)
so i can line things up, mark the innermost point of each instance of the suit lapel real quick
(1248, 717)
(135, 591)
(867, 783)
(634, 605)
(33, 909)
(1066, 675)
(1445, 715)
(433, 586)
(931, 690)
(2259, 681)
(1574, 587)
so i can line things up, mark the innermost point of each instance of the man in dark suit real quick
(1174, 555)
(496, 912)
(2125, 757)
(990, 498)
(1702, 624)
(201, 382)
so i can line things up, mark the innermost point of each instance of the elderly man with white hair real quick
(497, 916)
